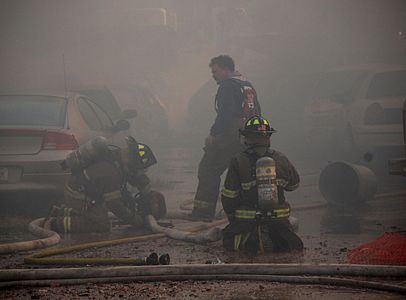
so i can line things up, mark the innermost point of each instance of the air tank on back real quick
(86, 154)
(266, 183)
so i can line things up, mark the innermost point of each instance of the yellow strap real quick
(256, 122)
(281, 213)
(245, 214)
(282, 210)
(142, 153)
(69, 220)
(65, 220)
(201, 204)
(245, 238)
(281, 182)
(112, 196)
(141, 146)
(251, 214)
(246, 186)
(261, 242)
(64, 224)
(237, 241)
(230, 193)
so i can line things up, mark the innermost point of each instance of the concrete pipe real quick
(345, 183)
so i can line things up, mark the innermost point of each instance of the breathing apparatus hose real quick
(285, 273)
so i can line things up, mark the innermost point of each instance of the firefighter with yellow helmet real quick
(103, 178)
(253, 195)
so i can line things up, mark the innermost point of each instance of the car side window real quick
(103, 117)
(387, 84)
(89, 115)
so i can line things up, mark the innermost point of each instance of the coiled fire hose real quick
(48, 238)
(42, 257)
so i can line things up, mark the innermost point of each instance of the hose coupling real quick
(154, 259)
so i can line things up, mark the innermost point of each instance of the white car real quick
(357, 111)
(398, 166)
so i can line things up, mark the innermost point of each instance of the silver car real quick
(38, 131)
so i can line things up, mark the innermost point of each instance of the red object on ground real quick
(388, 249)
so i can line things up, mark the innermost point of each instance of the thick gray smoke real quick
(282, 46)
(330, 76)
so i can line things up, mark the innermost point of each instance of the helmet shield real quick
(257, 126)
(141, 156)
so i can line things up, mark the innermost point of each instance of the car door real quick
(377, 117)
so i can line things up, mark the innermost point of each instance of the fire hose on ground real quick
(50, 238)
(299, 274)
(288, 273)
(42, 257)
(47, 238)
(364, 187)
(212, 235)
(291, 273)
(283, 273)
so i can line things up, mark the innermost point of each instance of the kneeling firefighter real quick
(100, 182)
(253, 195)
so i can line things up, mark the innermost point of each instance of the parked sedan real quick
(38, 131)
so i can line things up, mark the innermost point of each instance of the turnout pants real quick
(214, 162)
(251, 237)
(81, 214)
(95, 219)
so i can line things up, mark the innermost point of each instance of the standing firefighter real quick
(253, 195)
(235, 102)
(101, 175)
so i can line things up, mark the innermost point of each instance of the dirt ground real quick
(195, 290)
(325, 241)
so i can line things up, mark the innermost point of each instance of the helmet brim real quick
(245, 132)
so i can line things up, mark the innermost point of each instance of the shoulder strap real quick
(250, 105)
(247, 165)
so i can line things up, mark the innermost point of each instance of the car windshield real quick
(32, 110)
(388, 84)
(339, 83)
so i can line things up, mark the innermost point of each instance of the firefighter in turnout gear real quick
(100, 181)
(235, 102)
(253, 195)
